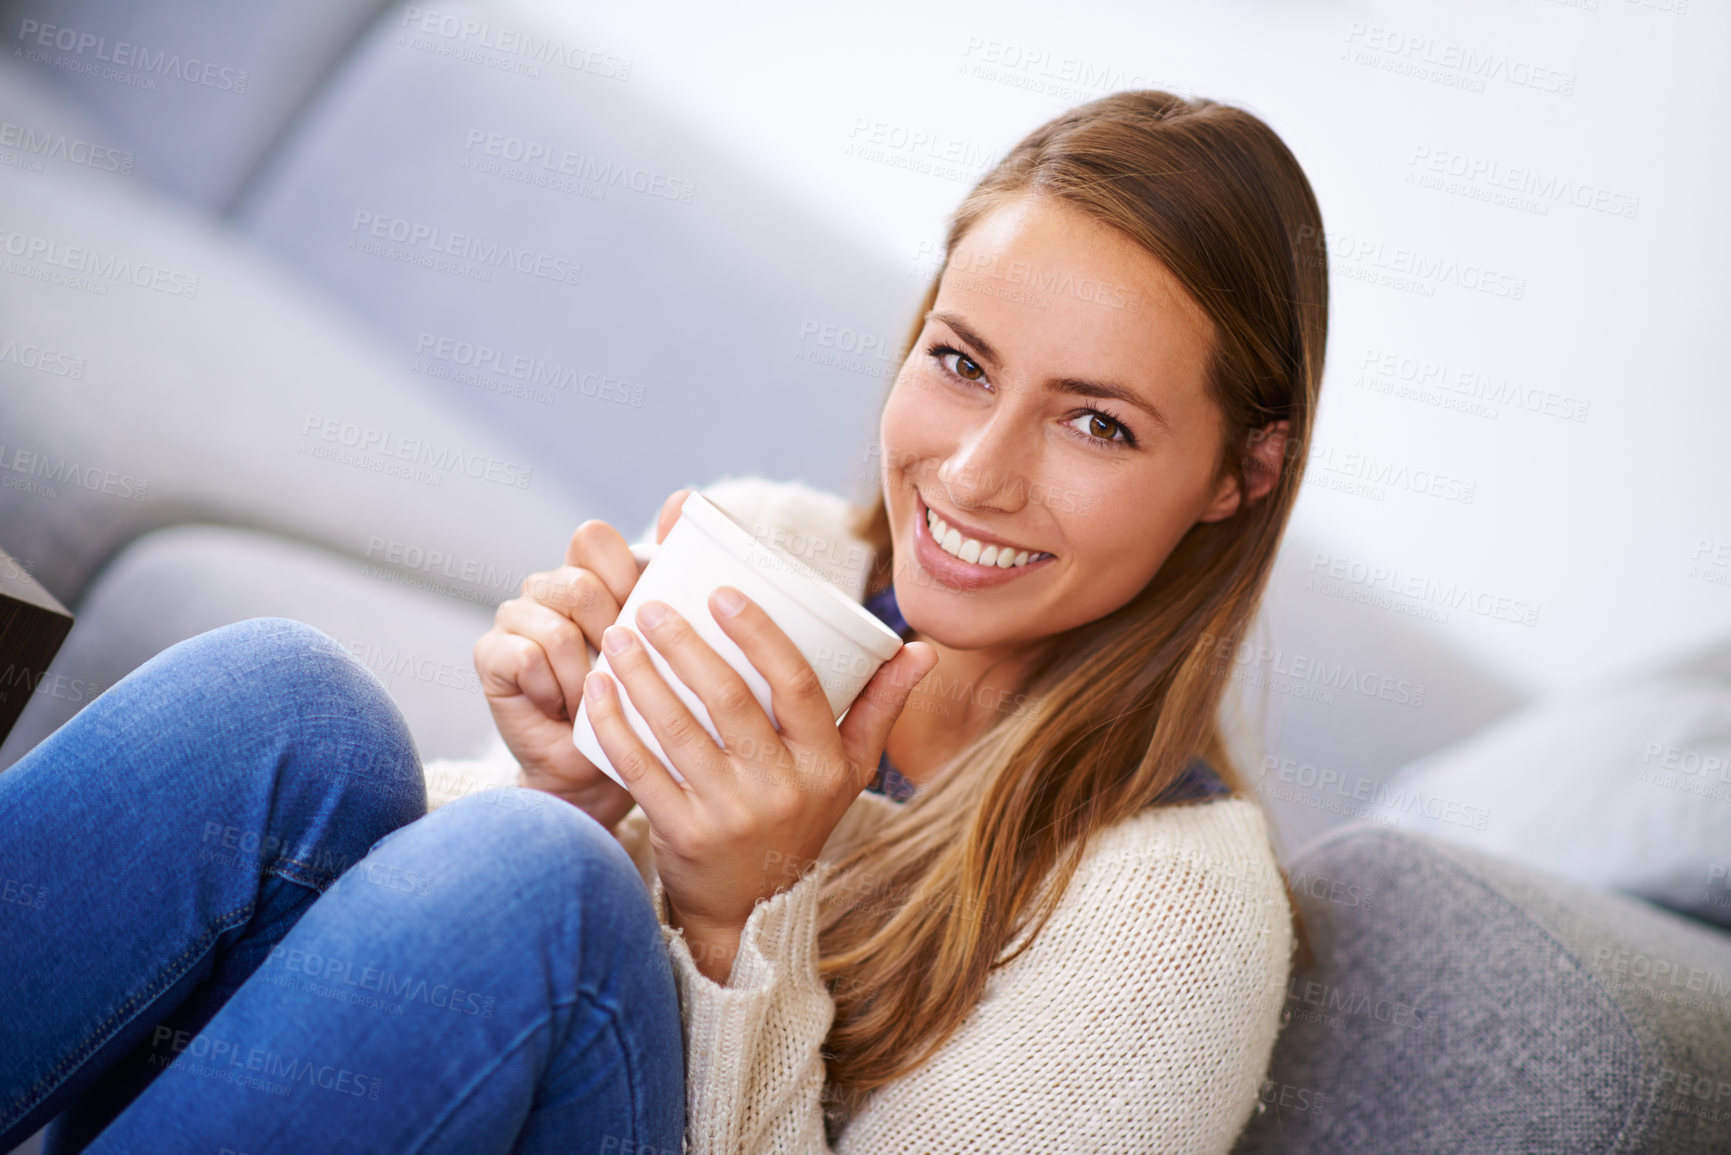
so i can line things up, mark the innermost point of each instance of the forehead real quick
(1049, 279)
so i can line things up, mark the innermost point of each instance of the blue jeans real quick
(228, 923)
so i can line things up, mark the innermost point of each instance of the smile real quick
(964, 561)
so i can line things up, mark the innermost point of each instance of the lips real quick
(952, 571)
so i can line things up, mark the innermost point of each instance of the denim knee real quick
(545, 839)
(337, 714)
(525, 842)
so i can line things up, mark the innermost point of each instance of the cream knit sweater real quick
(1142, 1019)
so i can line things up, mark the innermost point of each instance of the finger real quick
(512, 665)
(670, 513)
(796, 693)
(598, 547)
(662, 798)
(866, 729)
(578, 594)
(687, 744)
(561, 641)
(733, 709)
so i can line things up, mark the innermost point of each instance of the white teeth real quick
(969, 550)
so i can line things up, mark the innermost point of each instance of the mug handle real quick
(645, 553)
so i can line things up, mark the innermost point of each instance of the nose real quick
(987, 467)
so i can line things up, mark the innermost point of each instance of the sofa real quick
(293, 333)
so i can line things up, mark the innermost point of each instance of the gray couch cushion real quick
(175, 583)
(1461, 1002)
(197, 89)
(697, 339)
(1622, 787)
(218, 390)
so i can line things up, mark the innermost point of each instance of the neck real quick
(964, 694)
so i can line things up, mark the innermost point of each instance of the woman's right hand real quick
(532, 662)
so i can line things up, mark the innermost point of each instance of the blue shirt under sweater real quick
(1199, 780)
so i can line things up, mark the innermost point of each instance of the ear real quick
(1262, 462)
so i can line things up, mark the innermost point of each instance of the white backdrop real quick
(1522, 439)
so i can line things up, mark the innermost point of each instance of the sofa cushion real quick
(197, 90)
(209, 386)
(1462, 1002)
(1624, 787)
(624, 298)
(174, 583)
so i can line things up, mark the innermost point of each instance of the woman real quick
(1070, 935)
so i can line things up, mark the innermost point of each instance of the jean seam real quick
(481, 1076)
(95, 1040)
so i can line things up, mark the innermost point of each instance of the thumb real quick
(873, 714)
(670, 513)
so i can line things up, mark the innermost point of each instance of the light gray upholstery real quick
(174, 583)
(701, 310)
(196, 90)
(225, 403)
(1461, 1002)
(756, 341)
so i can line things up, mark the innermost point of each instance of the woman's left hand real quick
(752, 817)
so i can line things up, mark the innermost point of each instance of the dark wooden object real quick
(32, 626)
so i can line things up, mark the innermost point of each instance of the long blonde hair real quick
(914, 921)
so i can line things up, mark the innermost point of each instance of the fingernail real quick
(616, 639)
(595, 685)
(729, 600)
(652, 614)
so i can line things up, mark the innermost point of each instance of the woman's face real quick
(1054, 404)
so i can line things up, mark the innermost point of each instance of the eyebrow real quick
(1078, 386)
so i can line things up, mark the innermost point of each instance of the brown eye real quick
(1101, 427)
(966, 368)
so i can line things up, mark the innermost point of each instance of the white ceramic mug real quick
(707, 547)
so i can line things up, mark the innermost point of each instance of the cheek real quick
(913, 425)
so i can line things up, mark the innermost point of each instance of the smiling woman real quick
(1046, 921)
(1112, 382)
